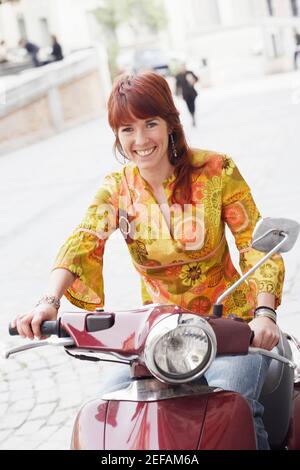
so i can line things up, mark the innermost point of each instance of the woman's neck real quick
(155, 178)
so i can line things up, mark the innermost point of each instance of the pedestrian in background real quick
(297, 49)
(56, 52)
(3, 52)
(185, 87)
(33, 50)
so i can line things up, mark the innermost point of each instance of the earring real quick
(125, 159)
(174, 151)
(121, 152)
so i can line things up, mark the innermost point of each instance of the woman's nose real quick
(140, 137)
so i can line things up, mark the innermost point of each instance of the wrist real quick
(50, 300)
(266, 312)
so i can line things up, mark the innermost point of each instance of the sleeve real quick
(196, 79)
(146, 298)
(82, 253)
(241, 215)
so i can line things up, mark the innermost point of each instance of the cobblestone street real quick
(45, 189)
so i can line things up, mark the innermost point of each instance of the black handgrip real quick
(48, 328)
(218, 310)
(12, 331)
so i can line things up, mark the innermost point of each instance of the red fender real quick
(220, 420)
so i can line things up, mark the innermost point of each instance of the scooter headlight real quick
(180, 348)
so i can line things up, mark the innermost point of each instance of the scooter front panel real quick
(228, 423)
(173, 424)
(89, 426)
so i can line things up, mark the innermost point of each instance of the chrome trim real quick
(168, 324)
(56, 342)
(273, 355)
(293, 339)
(149, 390)
(295, 347)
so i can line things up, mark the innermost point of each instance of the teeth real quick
(144, 153)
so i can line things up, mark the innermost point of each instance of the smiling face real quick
(145, 142)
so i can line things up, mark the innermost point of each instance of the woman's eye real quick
(126, 129)
(152, 124)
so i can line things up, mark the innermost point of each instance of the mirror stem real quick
(217, 309)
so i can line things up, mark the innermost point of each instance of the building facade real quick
(238, 38)
(39, 103)
(36, 20)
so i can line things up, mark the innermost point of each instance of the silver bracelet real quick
(265, 307)
(266, 313)
(49, 299)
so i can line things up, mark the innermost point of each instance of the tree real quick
(136, 13)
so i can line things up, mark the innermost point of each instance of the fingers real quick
(36, 324)
(266, 339)
(266, 333)
(28, 325)
(275, 341)
(23, 326)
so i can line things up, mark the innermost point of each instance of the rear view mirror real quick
(271, 232)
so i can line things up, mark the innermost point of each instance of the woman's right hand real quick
(28, 325)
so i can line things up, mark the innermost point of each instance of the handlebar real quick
(48, 328)
(105, 321)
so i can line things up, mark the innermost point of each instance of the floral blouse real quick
(184, 262)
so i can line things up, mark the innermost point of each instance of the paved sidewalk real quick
(44, 191)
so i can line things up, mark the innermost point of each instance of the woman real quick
(171, 204)
(185, 82)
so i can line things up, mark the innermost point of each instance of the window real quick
(44, 30)
(295, 7)
(22, 27)
(270, 7)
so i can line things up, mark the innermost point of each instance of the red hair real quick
(147, 95)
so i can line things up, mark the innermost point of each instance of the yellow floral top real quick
(186, 262)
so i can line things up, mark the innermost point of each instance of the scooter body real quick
(152, 414)
(198, 422)
(167, 405)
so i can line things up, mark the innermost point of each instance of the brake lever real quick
(56, 342)
(273, 355)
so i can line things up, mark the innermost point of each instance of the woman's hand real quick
(28, 325)
(266, 333)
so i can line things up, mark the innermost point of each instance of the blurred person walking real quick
(297, 50)
(56, 52)
(3, 52)
(33, 50)
(185, 82)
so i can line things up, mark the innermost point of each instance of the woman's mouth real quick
(145, 153)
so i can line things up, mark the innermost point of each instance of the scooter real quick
(166, 406)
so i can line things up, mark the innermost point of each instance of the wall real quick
(53, 98)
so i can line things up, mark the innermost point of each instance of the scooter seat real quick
(277, 396)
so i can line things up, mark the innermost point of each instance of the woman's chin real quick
(145, 164)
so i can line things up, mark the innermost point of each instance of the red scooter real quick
(168, 348)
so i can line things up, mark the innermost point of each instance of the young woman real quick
(171, 204)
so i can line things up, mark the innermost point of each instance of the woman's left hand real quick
(266, 333)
